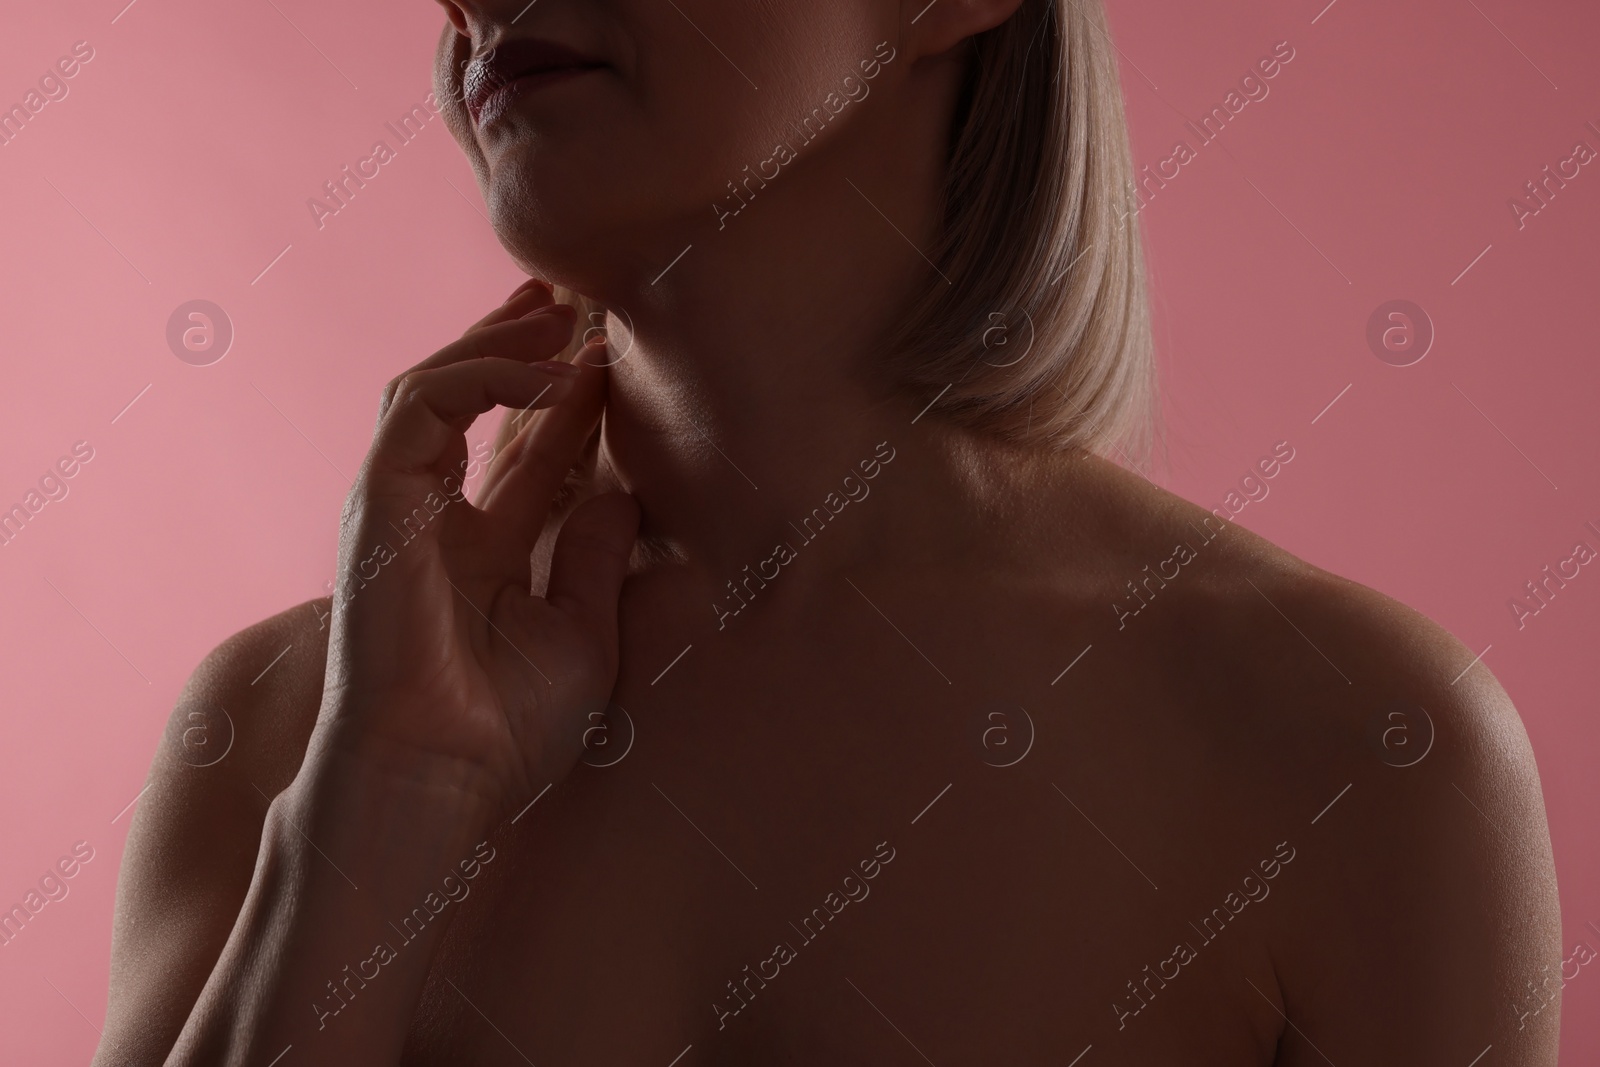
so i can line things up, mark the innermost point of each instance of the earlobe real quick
(936, 27)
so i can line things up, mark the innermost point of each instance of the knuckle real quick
(472, 344)
(406, 389)
(387, 396)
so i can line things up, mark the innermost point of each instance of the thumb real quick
(591, 559)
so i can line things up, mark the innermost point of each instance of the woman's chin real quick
(568, 255)
(585, 249)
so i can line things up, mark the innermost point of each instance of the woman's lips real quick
(499, 100)
(515, 66)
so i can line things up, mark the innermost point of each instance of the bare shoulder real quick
(1351, 660)
(1425, 908)
(1419, 921)
(234, 740)
(1212, 602)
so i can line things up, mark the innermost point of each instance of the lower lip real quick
(500, 100)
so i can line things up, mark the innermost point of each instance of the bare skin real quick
(1209, 773)
(1191, 743)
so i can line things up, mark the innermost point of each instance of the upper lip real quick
(512, 59)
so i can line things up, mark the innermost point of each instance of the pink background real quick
(1378, 168)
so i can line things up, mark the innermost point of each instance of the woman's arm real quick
(449, 688)
(1430, 915)
(191, 849)
(338, 931)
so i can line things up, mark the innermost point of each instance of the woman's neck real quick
(746, 387)
(738, 408)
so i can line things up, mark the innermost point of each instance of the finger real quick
(591, 560)
(531, 295)
(540, 457)
(518, 425)
(541, 334)
(432, 408)
(519, 420)
(514, 427)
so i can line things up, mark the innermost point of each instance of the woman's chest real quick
(805, 883)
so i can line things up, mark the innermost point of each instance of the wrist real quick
(385, 823)
(345, 761)
(360, 868)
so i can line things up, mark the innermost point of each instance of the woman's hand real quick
(443, 664)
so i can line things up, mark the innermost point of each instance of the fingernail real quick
(553, 309)
(593, 351)
(556, 368)
(531, 283)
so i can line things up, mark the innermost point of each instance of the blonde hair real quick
(1040, 248)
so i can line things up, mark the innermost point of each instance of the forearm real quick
(335, 938)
